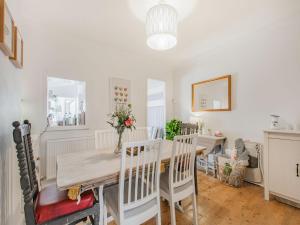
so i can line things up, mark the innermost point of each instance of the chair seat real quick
(52, 204)
(164, 184)
(111, 196)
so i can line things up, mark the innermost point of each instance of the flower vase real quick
(119, 145)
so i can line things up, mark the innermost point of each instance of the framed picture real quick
(17, 58)
(6, 30)
(119, 92)
(212, 95)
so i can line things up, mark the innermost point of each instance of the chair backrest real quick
(138, 134)
(105, 139)
(109, 138)
(160, 133)
(153, 133)
(156, 132)
(140, 167)
(182, 160)
(188, 128)
(28, 180)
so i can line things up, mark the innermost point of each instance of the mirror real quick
(66, 102)
(212, 95)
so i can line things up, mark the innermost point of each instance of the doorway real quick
(156, 103)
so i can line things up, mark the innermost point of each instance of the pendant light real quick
(161, 27)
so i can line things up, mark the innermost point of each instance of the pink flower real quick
(128, 122)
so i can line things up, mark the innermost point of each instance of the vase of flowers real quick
(122, 119)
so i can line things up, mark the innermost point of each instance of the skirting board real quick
(286, 201)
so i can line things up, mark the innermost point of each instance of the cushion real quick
(164, 184)
(51, 204)
(111, 196)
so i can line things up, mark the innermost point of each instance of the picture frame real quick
(17, 58)
(120, 92)
(6, 30)
(212, 95)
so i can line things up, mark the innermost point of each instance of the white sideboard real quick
(282, 164)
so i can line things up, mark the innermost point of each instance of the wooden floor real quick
(219, 204)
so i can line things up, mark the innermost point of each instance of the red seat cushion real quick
(52, 204)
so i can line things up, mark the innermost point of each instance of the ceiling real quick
(119, 23)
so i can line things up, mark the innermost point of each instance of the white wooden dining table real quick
(97, 168)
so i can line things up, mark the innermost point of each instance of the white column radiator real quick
(61, 146)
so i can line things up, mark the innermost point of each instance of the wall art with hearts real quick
(119, 92)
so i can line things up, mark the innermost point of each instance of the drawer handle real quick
(297, 169)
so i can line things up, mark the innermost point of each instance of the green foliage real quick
(227, 169)
(173, 128)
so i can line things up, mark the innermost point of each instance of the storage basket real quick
(231, 172)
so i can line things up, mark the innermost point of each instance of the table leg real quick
(222, 147)
(215, 162)
(101, 202)
(195, 176)
(215, 167)
(206, 167)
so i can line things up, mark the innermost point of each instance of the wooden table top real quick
(97, 167)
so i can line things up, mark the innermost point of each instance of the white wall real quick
(266, 79)
(68, 57)
(61, 54)
(10, 100)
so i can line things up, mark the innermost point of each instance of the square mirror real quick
(66, 102)
(212, 95)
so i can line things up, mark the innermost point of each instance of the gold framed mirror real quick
(212, 95)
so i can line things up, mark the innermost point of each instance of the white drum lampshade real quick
(161, 27)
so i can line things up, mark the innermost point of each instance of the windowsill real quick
(67, 128)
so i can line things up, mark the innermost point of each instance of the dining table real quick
(97, 168)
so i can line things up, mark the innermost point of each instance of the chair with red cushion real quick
(48, 206)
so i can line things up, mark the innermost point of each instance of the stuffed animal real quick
(242, 153)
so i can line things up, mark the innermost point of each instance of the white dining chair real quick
(178, 182)
(138, 134)
(105, 139)
(136, 198)
(156, 132)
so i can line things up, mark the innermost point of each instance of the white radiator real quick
(61, 146)
(254, 175)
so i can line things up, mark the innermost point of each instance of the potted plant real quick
(173, 128)
(122, 119)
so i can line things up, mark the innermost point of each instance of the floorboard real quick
(219, 204)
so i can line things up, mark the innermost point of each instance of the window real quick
(66, 102)
(156, 104)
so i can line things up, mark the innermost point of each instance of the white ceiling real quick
(118, 22)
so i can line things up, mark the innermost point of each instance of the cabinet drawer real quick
(284, 155)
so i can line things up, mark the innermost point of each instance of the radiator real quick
(61, 146)
(254, 175)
